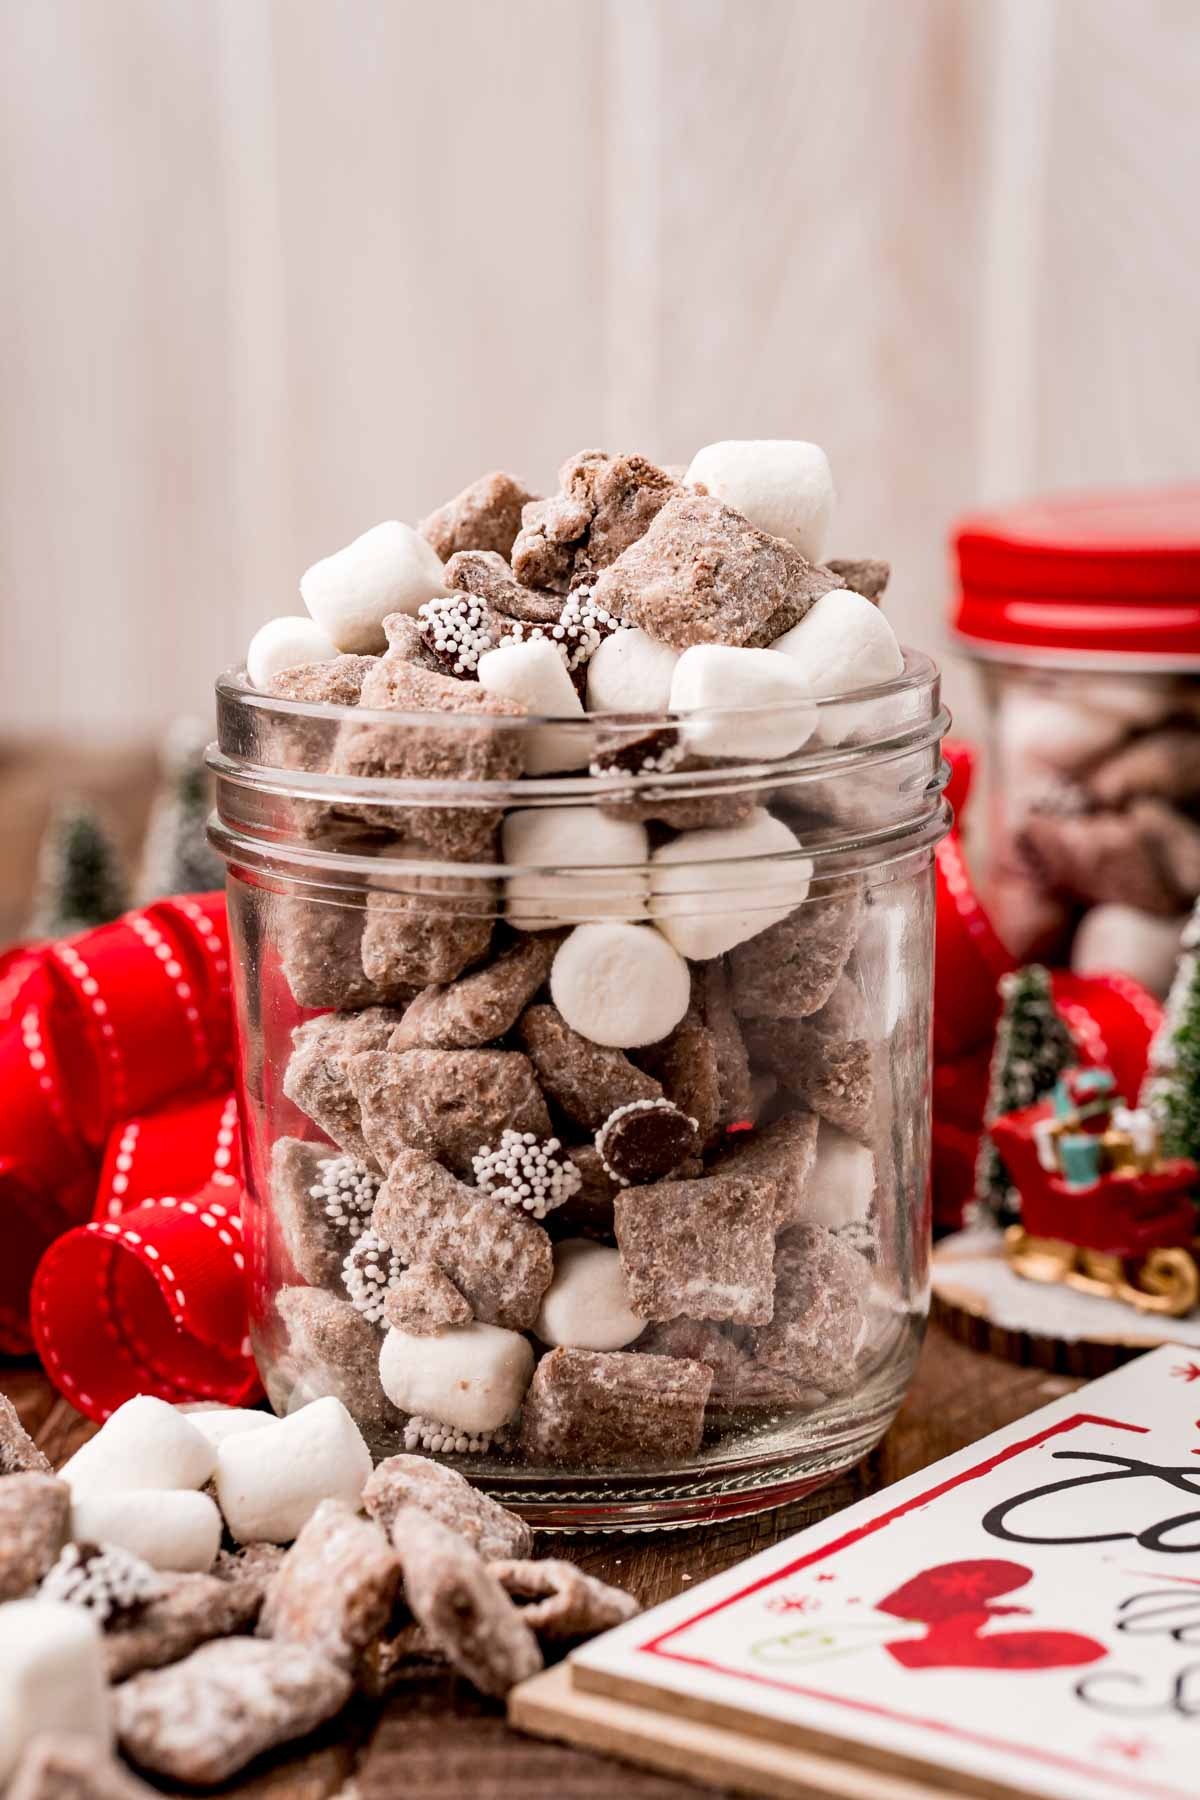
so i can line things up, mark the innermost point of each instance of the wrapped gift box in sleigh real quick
(1101, 1209)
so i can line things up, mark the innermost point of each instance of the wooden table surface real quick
(437, 1741)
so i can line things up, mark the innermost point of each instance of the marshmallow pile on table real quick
(624, 981)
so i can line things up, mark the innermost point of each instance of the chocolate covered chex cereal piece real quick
(589, 1211)
(662, 804)
(461, 1605)
(335, 1351)
(335, 1588)
(67, 1765)
(605, 504)
(446, 1103)
(588, 1081)
(791, 969)
(312, 1240)
(424, 1301)
(479, 751)
(484, 516)
(833, 1076)
(865, 575)
(713, 995)
(302, 741)
(430, 934)
(1172, 840)
(687, 1064)
(18, 1452)
(193, 1610)
(702, 574)
(481, 1006)
(1127, 857)
(205, 1718)
(485, 574)
(821, 1290)
(410, 1481)
(558, 1600)
(406, 643)
(409, 1654)
(499, 1260)
(701, 1248)
(252, 1567)
(605, 1408)
(34, 1514)
(738, 1381)
(782, 1154)
(1165, 763)
(320, 945)
(337, 682)
(317, 1080)
(646, 1139)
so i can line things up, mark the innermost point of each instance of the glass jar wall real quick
(587, 1115)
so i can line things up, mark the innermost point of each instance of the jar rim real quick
(234, 687)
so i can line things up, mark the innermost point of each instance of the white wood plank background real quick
(276, 269)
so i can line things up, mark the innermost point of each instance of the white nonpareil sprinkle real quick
(107, 1581)
(582, 627)
(346, 1189)
(455, 628)
(527, 1172)
(445, 1440)
(368, 1272)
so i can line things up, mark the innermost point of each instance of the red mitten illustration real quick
(955, 1601)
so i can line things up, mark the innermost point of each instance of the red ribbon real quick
(120, 1161)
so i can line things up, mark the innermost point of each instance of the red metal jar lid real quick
(1085, 578)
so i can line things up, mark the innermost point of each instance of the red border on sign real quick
(656, 1646)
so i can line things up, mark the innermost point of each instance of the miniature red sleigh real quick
(1101, 1209)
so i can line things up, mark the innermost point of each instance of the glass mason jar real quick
(1083, 618)
(587, 1114)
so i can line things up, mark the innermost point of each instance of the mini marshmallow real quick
(843, 643)
(703, 897)
(841, 1187)
(145, 1444)
(614, 984)
(286, 644)
(269, 1485)
(631, 672)
(534, 673)
(716, 677)
(580, 839)
(170, 1528)
(51, 1671)
(782, 485)
(1036, 731)
(388, 569)
(217, 1423)
(472, 1377)
(587, 1302)
(1129, 941)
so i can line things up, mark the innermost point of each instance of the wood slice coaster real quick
(982, 1302)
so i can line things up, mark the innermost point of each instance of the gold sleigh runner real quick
(1166, 1281)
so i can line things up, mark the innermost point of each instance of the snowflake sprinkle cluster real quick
(369, 1270)
(110, 1583)
(455, 628)
(346, 1189)
(443, 1440)
(528, 1172)
(582, 627)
